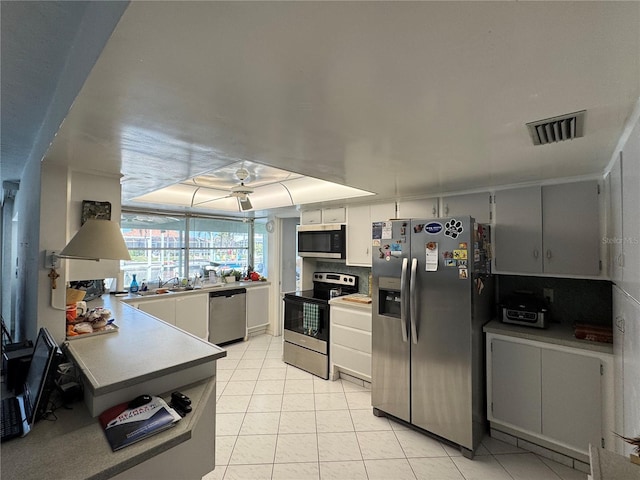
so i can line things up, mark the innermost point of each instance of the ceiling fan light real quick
(245, 203)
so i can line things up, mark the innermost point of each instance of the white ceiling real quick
(398, 98)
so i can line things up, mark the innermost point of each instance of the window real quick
(260, 250)
(219, 244)
(160, 251)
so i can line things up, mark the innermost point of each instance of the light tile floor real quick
(275, 421)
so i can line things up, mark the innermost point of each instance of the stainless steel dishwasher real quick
(227, 315)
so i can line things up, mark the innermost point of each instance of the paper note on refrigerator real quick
(387, 230)
(431, 262)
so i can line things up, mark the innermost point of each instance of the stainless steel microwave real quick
(322, 241)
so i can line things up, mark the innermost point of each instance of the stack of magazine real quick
(123, 425)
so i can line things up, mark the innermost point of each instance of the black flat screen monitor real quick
(41, 375)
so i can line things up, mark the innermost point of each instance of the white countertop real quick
(556, 333)
(205, 288)
(344, 301)
(142, 349)
(606, 465)
(74, 445)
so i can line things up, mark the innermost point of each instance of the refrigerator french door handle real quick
(413, 300)
(403, 299)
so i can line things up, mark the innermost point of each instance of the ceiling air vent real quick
(557, 129)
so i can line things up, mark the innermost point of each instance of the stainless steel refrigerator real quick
(432, 293)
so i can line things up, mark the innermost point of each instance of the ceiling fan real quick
(242, 192)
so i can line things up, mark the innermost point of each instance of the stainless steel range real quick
(306, 321)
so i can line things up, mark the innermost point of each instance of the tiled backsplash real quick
(574, 300)
(338, 267)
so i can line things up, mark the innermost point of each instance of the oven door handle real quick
(403, 299)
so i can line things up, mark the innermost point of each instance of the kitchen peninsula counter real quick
(74, 446)
(139, 357)
(145, 355)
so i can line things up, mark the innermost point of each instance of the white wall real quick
(60, 194)
(101, 189)
(53, 236)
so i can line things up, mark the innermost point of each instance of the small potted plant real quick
(232, 276)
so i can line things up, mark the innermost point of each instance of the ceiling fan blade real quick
(209, 200)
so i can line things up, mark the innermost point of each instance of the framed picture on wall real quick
(93, 209)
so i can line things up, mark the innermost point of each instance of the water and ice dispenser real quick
(389, 297)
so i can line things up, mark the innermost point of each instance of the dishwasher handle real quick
(228, 293)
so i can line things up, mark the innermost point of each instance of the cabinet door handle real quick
(446, 209)
(549, 254)
(434, 210)
(536, 253)
(621, 260)
(620, 323)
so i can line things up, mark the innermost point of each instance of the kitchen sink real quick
(149, 293)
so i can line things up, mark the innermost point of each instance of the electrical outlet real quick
(51, 259)
(548, 294)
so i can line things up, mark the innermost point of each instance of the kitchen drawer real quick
(351, 317)
(352, 338)
(351, 359)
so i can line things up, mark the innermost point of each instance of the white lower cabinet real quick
(162, 308)
(350, 341)
(188, 312)
(549, 394)
(258, 308)
(626, 328)
(571, 398)
(516, 384)
(192, 314)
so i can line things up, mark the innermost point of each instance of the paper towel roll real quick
(120, 281)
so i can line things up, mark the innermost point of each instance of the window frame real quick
(183, 250)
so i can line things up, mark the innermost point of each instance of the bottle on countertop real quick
(133, 288)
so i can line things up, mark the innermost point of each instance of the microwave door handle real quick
(413, 301)
(403, 299)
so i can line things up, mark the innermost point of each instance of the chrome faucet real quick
(161, 284)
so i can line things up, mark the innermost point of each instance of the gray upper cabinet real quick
(571, 228)
(421, 208)
(518, 230)
(551, 229)
(614, 227)
(476, 205)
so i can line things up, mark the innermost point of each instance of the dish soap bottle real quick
(133, 288)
